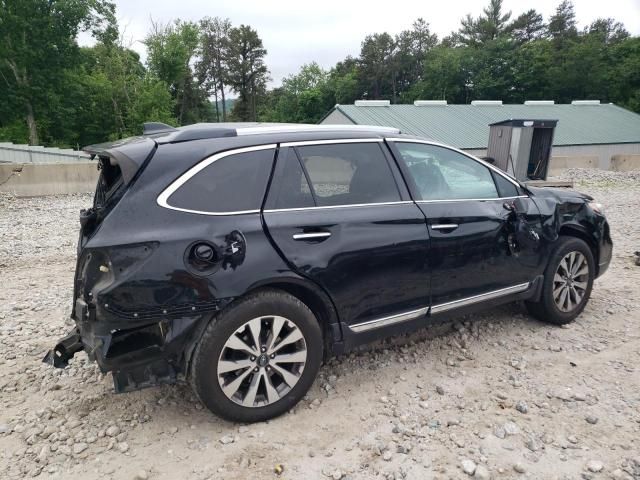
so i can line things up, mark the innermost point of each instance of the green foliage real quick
(487, 27)
(246, 71)
(55, 93)
(171, 49)
(444, 77)
(37, 46)
(211, 67)
(303, 98)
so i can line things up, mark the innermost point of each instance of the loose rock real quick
(522, 406)
(595, 466)
(520, 468)
(468, 466)
(482, 473)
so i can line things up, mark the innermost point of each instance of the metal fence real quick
(12, 153)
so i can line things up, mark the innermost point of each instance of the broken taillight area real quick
(135, 340)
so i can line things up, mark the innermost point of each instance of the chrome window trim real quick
(463, 302)
(471, 199)
(389, 320)
(462, 152)
(163, 198)
(330, 207)
(302, 143)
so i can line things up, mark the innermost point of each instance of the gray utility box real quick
(522, 148)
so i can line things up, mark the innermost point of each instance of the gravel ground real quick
(501, 397)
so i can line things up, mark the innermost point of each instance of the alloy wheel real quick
(262, 361)
(570, 281)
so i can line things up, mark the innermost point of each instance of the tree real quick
(377, 67)
(608, 30)
(212, 66)
(412, 47)
(128, 95)
(562, 24)
(489, 70)
(171, 50)
(489, 26)
(247, 72)
(344, 81)
(624, 86)
(37, 45)
(444, 77)
(531, 65)
(527, 27)
(303, 98)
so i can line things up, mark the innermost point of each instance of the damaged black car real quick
(238, 257)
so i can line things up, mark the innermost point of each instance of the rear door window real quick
(232, 183)
(348, 174)
(290, 188)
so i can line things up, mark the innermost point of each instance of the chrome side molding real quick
(390, 320)
(483, 297)
(443, 307)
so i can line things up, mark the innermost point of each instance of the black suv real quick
(238, 256)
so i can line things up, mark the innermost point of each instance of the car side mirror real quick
(518, 206)
(490, 160)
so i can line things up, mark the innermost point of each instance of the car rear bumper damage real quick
(141, 355)
(64, 350)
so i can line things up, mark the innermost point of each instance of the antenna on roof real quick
(149, 128)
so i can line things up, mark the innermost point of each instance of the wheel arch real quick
(317, 301)
(577, 231)
(305, 291)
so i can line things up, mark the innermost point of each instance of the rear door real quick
(479, 248)
(340, 214)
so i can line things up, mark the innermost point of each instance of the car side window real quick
(440, 173)
(233, 183)
(290, 189)
(505, 187)
(348, 174)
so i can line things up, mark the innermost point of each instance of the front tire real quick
(568, 280)
(258, 358)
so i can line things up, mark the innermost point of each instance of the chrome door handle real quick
(445, 226)
(311, 235)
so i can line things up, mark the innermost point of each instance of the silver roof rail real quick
(298, 128)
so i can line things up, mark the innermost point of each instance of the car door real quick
(480, 248)
(340, 214)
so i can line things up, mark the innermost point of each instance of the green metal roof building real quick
(586, 129)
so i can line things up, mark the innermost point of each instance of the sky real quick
(296, 32)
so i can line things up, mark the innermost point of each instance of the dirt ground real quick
(499, 395)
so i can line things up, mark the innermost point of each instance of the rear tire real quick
(258, 358)
(567, 284)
